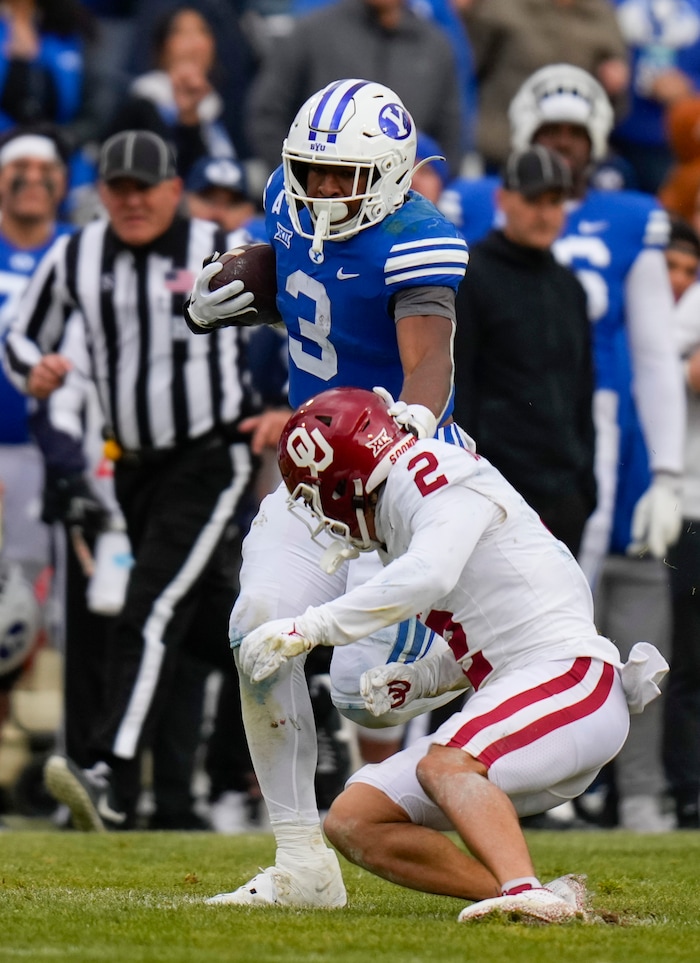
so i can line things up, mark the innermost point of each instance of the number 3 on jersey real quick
(426, 478)
(317, 331)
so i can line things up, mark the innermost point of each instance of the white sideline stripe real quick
(157, 622)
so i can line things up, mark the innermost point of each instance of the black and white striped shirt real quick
(159, 384)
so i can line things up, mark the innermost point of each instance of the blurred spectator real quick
(681, 743)
(235, 59)
(445, 14)
(664, 43)
(178, 100)
(44, 46)
(511, 40)
(216, 190)
(116, 25)
(382, 40)
(523, 355)
(679, 189)
(49, 71)
(682, 257)
(32, 186)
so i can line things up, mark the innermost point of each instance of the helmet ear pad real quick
(394, 190)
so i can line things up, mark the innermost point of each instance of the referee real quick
(172, 402)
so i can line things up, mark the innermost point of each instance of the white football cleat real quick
(571, 888)
(531, 906)
(312, 884)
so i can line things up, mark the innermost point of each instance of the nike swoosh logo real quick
(106, 811)
(592, 227)
(342, 276)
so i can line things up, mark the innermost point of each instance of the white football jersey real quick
(467, 554)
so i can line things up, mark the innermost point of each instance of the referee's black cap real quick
(139, 155)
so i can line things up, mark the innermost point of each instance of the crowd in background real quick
(220, 81)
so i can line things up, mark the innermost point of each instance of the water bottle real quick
(106, 589)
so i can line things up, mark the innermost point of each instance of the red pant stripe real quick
(555, 720)
(520, 701)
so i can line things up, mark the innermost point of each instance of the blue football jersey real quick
(16, 267)
(602, 238)
(337, 307)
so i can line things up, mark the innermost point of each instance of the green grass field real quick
(138, 898)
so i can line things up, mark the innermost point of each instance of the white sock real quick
(515, 886)
(299, 841)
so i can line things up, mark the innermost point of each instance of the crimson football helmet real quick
(335, 450)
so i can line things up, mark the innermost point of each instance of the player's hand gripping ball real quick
(254, 265)
(236, 289)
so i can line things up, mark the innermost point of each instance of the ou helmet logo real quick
(395, 121)
(303, 447)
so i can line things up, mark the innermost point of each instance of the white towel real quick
(641, 675)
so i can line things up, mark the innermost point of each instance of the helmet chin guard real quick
(350, 124)
(335, 451)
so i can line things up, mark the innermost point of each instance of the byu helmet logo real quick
(395, 121)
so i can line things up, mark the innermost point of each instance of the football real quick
(254, 264)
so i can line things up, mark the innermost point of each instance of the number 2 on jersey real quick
(426, 479)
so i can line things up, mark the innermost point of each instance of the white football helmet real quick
(350, 123)
(19, 618)
(561, 93)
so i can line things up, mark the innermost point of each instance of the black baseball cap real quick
(138, 154)
(535, 171)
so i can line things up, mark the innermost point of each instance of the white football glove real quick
(657, 517)
(215, 309)
(394, 685)
(268, 647)
(417, 419)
